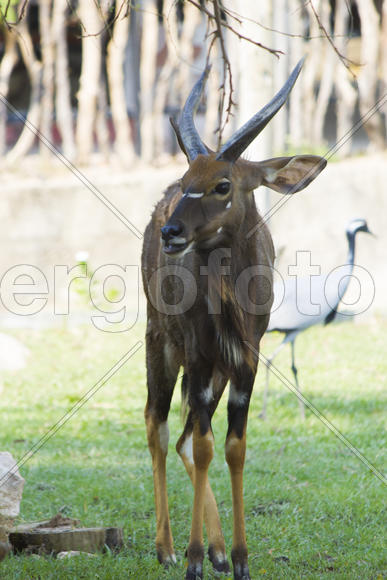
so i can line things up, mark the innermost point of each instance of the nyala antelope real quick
(205, 278)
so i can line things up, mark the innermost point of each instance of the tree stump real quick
(60, 535)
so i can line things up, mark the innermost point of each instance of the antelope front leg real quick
(238, 405)
(161, 378)
(216, 545)
(203, 452)
(157, 433)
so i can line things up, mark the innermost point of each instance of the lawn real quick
(313, 509)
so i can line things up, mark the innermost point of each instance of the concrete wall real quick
(315, 220)
(47, 218)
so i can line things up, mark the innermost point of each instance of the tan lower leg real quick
(235, 456)
(211, 514)
(158, 444)
(203, 450)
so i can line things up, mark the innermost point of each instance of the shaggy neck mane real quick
(231, 321)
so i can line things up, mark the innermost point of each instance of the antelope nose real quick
(171, 231)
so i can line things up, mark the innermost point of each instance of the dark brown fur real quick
(197, 331)
(208, 247)
(211, 344)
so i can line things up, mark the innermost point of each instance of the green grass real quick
(313, 510)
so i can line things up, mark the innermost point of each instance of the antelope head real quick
(215, 187)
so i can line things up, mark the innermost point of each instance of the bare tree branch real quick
(220, 24)
(226, 72)
(241, 18)
(224, 24)
(346, 61)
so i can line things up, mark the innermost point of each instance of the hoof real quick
(165, 559)
(241, 572)
(218, 560)
(239, 560)
(194, 572)
(195, 553)
(169, 561)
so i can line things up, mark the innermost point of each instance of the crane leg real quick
(269, 360)
(262, 414)
(295, 373)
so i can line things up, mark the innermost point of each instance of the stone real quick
(11, 490)
(13, 354)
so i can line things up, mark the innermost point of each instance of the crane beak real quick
(367, 231)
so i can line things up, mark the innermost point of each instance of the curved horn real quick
(185, 130)
(235, 146)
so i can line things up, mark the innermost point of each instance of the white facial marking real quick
(179, 255)
(178, 241)
(237, 398)
(219, 230)
(228, 205)
(187, 449)
(220, 557)
(194, 195)
(164, 436)
(188, 249)
(208, 394)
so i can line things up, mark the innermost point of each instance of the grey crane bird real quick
(302, 297)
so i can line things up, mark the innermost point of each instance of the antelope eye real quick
(222, 188)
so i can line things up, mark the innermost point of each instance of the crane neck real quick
(351, 249)
(350, 262)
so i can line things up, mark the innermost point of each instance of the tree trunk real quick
(64, 115)
(101, 127)
(384, 61)
(166, 88)
(123, 144)
(328, 58)
(280, 74)
(6, 67)
(346, 94)
(34, 70)
(161, 90)
(256, 87)
(213, 114)
(296, 125)
(186, 48)
(368, 76)
(256, 68)
(47, 48)
(310, 72)
(149, 48)
(89, 84)
(175, 76)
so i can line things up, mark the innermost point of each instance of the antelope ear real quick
(288, 175)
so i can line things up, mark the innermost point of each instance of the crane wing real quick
(303, 302)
